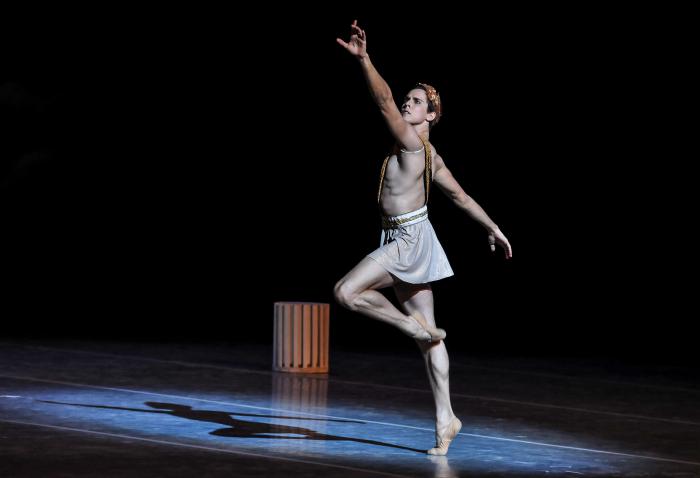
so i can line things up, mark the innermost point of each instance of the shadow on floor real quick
(244, 428)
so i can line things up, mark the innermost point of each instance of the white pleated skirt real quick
(410, 250)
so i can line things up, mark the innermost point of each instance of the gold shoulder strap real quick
(428, 174)
(428, 168)
(381, 179)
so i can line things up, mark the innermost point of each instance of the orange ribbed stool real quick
(300, 337)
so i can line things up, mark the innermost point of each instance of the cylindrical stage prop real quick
(301, 337)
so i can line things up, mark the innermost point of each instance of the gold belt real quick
(391, 223)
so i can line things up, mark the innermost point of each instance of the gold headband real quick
(434, 98)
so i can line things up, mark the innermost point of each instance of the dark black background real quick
(168, 175)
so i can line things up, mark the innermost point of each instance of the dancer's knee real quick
(344, 295)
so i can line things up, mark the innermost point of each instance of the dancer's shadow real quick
(244, 428)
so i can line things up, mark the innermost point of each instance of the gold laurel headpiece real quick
(434, 98)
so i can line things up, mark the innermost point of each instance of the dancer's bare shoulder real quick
(438, 162)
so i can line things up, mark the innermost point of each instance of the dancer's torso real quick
(403, 188)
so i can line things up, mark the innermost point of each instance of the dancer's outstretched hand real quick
(357, 46)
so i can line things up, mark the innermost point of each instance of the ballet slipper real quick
(443, 441)
(435, 334)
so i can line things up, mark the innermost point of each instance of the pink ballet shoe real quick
(443, 441)
(434, 334)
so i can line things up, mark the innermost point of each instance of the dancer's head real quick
(422, 103)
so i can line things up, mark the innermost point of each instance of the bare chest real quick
(400, 176)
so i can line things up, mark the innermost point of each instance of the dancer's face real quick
(415, 107)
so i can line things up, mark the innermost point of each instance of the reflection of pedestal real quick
(299, 400)
(300, 337)
(299, 393)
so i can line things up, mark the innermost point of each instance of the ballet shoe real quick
(443, 441)
(434, 334)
